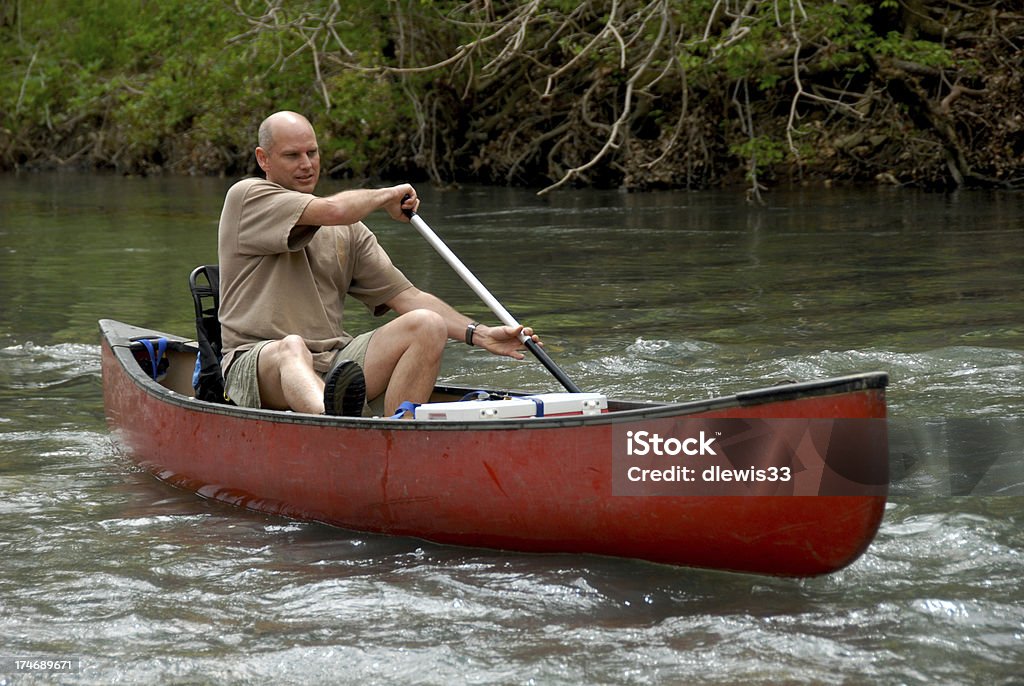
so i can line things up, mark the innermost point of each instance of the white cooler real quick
(467, 410)
(561, 404)
(540, 405)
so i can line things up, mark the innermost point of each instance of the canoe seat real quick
(208, 379)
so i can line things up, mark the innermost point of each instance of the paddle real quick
(496, 307)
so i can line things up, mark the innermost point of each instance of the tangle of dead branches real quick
(655, 93)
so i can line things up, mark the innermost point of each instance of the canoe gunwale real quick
(119, 336)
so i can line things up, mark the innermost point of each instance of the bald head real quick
(278, 121)
(288, 151)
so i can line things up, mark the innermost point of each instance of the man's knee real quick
(293, 345)
(288, 350)
(427, 325)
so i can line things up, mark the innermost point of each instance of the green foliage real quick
(364, 107)
(848, 28)
(760, 152)
(135, 84)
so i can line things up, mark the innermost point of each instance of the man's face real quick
(293, 160)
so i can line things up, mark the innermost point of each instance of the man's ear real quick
(261, 158)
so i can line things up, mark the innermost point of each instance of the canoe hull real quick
(541, 486)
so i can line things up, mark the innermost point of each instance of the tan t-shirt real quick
(278, 279)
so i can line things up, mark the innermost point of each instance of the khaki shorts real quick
(242, 386)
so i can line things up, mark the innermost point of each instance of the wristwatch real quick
(470, 330)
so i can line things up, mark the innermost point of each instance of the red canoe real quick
(789, 480)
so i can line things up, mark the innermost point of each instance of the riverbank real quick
(649, 96)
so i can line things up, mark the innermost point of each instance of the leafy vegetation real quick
(630, 93)
(139, 86)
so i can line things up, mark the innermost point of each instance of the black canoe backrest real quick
(204, 282)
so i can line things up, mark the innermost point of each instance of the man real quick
(288, 258)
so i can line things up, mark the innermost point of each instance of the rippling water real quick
(666, 296)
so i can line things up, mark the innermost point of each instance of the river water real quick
(660, 296)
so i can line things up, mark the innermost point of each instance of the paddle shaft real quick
(496, 307)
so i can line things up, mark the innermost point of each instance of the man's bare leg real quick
(287, 379)
(404, 358)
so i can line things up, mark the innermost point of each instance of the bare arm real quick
(349, 207)
(500, 340)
